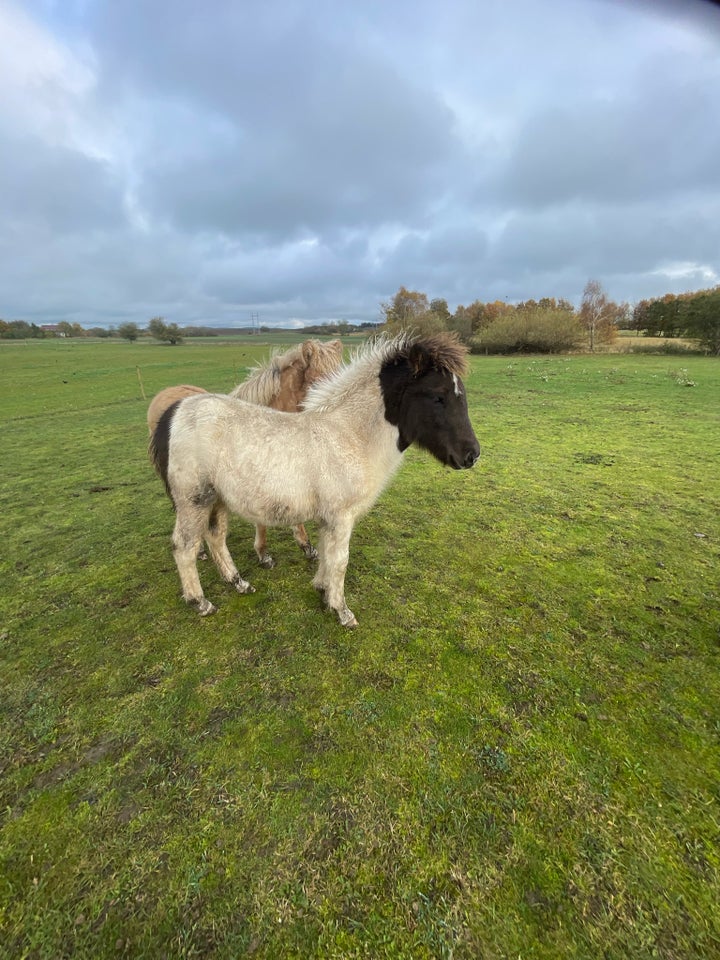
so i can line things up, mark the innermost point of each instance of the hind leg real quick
(264, 558)
(190, 526)
(303, 541)
(216, 539)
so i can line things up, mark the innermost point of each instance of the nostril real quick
(472, 458)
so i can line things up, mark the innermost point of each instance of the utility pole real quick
(255, 322)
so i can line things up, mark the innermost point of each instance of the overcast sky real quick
(204, 161)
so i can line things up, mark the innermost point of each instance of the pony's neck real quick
(354, 386)
(353, 403)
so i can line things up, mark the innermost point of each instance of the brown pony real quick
(281, 384)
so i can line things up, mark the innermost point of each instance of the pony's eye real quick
(439, 398)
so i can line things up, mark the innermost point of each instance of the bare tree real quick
(598, 315)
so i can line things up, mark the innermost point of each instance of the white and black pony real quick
(328, 463)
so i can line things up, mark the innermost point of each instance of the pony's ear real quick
(309, 349)
(419, 360)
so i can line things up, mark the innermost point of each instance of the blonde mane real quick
(312, 358)
(261, 384)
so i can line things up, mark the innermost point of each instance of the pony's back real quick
(165, 399)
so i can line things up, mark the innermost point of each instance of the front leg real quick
(334, 551)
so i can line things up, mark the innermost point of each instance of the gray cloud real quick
(645, 143)
(57, 187)
(305, 160)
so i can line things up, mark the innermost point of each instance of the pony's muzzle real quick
(463, 461)
(472, 454)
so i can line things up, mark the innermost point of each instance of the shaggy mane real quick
(261, 384)
(444, 352)
(263, 381)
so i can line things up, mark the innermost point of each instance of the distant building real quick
(53, 328)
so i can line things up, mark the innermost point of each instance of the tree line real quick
(695, 316)
(159, 329)
(551, 325)
(548, 325)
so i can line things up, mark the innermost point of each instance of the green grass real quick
(515, 755)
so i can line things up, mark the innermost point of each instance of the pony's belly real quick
(278, 515)
(270, 510)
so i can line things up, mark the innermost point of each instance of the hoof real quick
(347, 618)
(203, 606)
(202, 555)
(266, 562)
(242, 586)
(310, 552)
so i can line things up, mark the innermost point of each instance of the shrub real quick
(530, 331)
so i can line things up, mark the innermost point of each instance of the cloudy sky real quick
(301, 159)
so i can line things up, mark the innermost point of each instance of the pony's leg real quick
(264, 558)
(303, 541)
(320, 578)
(190, 526)
(216, 539)
(301, 538)
(334, 549)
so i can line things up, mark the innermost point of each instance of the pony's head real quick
(425, 398)
(321, 358)
(303, 366)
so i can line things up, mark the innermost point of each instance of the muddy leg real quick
(190, 526)
(216, 539)
(330, 578)
(303, 541)
(264, 558)
(320, 578)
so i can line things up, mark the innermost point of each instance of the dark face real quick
(430, 409)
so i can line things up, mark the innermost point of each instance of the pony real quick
(327, 463)
(281, 384)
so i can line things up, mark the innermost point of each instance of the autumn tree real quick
(440, 309)
(561, 305)
(411, 310)
(466, 321)
(598, 315)
(405, 308)
(496, 310)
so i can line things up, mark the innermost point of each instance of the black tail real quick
(159, 446)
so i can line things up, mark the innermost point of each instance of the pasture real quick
(516, 754)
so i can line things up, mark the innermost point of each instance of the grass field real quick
(516, 754)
